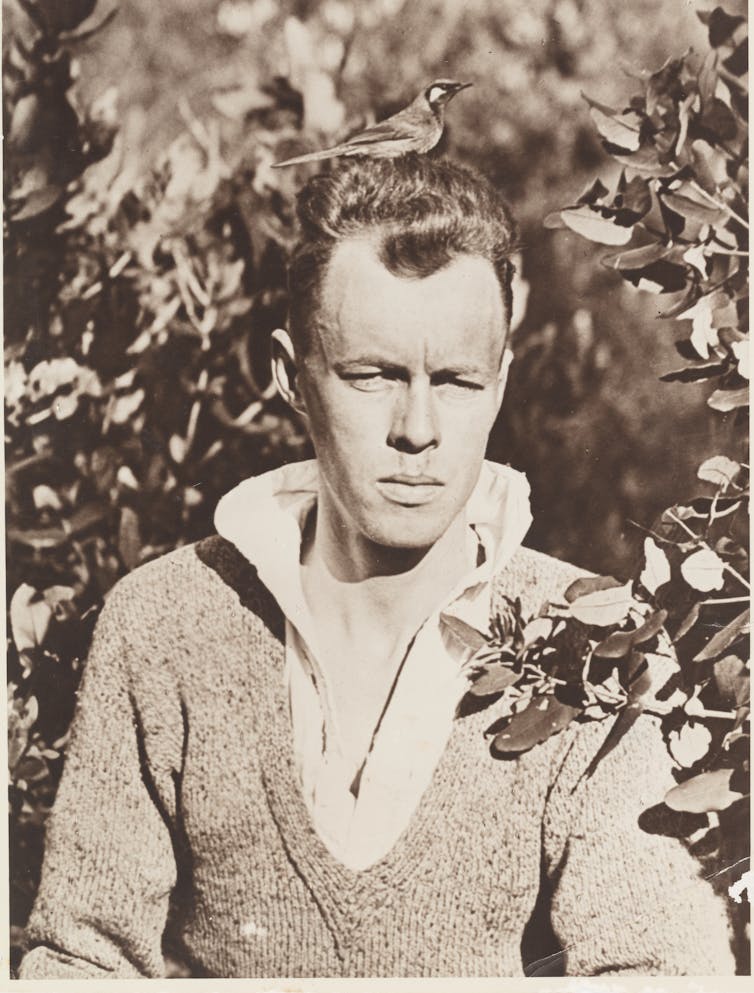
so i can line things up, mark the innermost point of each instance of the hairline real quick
(376, 236)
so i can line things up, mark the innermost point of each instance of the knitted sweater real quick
(179, 794)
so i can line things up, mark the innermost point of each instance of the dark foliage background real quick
(146, 238)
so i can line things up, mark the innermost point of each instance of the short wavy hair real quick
(424, 212)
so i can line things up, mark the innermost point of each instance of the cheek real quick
(344, 422)
(466, 427)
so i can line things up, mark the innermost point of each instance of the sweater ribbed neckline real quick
(345, 896)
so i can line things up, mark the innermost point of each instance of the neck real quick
(386, 593)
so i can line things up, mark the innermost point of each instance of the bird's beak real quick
(462, 86)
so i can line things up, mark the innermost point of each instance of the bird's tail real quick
(326, 153)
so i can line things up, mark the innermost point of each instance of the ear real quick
(285, 369)
(502, 376)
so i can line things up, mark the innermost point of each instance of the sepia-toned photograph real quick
(377, 481)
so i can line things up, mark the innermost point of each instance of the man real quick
(266, 752)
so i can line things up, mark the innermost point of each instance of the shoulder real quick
(200, 585)
(535, 577)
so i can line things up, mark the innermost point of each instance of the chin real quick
(407, 528)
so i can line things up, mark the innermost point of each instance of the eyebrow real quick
(347, 365)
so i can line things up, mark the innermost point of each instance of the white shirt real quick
(264, 517)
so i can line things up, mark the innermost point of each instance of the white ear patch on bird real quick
(435, 93)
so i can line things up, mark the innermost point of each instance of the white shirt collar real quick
(263, 517)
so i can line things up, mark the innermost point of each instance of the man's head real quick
(400, 304)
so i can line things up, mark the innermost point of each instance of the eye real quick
(457, 384)
(371, 379)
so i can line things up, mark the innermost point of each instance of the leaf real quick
(594, 193)
(466, 634)
(30, 617)
(637, 258)
(740, 350)
(539, 627)
(90, 515)
(703, 334)
(663, 85)
(621, 130)
(241, 101)
(125, 406)
(736, 628)
(646, 161)
(689, 743)
(688, 622)
(703, 793)
(696, 257)
(544, 717)
(590, 224)
(554, 221)
(732, 681)
(603, 607)
(59, 599)
(686, 301)
(717, 122)
(704, 570)
(738, 62)
(129, 538)
(36, 203)
(45, 497)
(590, 584)
(690, 210)
(694, 373)
(651, 627)
(707, 78)
(658, 277)
(39, 538)
(656, 570)
(178, 448)
(710, 165)
(616, 645)
(725, 400)
(719, 470)
(494, 678)
(634, 196)
(721, 26)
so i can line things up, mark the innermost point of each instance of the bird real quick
(416, 128)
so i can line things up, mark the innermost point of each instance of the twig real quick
(725, 599)
(726, 251)
(703, 543)
(720, 206)
(201, 386)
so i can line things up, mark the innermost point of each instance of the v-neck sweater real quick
(265, 517)
(179, 801)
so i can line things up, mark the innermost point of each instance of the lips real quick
(410, 490)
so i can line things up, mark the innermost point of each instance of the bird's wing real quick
(395, 128)
(389, 130)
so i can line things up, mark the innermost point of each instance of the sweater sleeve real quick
(625, 900)
(109, 867)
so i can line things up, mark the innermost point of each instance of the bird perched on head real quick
(416, 128)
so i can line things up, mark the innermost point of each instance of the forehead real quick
(452, 314)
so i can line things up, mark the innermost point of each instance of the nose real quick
(414, 426)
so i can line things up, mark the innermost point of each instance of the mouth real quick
(409, 490)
